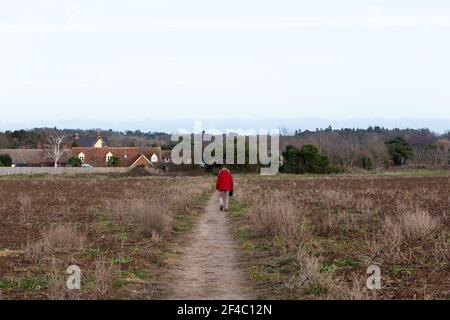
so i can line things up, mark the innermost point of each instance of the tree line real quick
(368, 149)
(319, 151)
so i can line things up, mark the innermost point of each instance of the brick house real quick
(166, 156)
(128, 156)
(95, 151)
(92, 151)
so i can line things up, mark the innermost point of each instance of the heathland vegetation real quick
(117, 230)
(315, 237)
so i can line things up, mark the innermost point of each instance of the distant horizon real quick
(438, 126)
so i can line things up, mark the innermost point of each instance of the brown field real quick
(297, 237)
(313, 238)
(116, 230)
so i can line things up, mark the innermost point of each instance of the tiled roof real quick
(31, 156)
(96, 157)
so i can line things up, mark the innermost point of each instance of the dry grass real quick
(152, 217)
(103, 274)
(351, 224)
(57, 285)
(281, 219)
(335, 198)
(410, 225)
(25, 207)
(441, 251)
(34, 252)
(326, 222)
(117, 210)
(357, 289)
(63, 237)
(315, 284)
(75, 220)
(56, 238)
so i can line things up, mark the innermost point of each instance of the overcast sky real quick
(80, 62)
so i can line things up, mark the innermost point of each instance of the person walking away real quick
(224, 185)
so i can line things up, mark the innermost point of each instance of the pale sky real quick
(113, 61)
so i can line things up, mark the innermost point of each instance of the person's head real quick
(224, 169)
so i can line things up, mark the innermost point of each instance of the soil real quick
(210, 266)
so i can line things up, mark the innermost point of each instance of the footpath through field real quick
(210, 266)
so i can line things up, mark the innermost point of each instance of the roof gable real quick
(127, 155)
(141, 160)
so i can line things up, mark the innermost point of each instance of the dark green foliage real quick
(74, 162)
(306, 160)
(399, 150)
(311, 161)
(114, 162)
(169, 146)
(291, 163)
(5, 160)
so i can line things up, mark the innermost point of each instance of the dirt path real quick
(210, 266)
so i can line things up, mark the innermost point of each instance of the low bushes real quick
(337, 227)
(56, 238)
(152, 217)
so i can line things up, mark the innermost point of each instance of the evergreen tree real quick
(399, 150)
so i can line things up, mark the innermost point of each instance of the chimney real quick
(98, 135)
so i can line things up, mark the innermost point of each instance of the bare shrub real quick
(117, 209)
(34, 251)
(310, 269)
(441, 251)
(103, 274)
(25, 207)
(334, 199)
(357, 290)
(325, 222)
(331, 222)
(57, 285)
(181, 197)
(312, 282)
(366, 206)
(152, 254)
(63, 237)
(248, 194)
(413, 224)
(280, 218)
(152, 217)
(57, 238)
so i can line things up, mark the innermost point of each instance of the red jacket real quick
(224, 180)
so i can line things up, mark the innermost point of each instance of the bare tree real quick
(54, 149)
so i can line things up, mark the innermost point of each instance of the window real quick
(81, 157)
(154, 158)
(109, 156)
